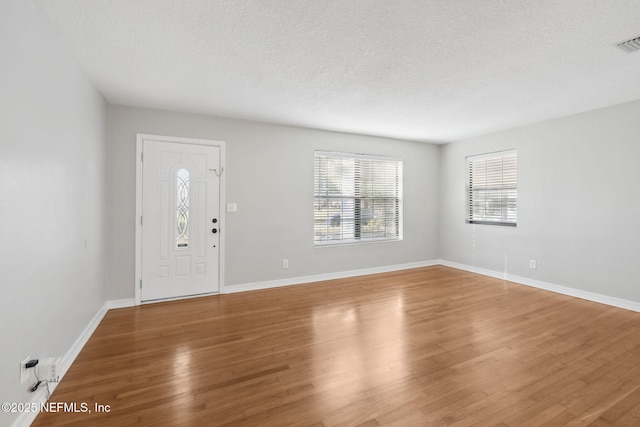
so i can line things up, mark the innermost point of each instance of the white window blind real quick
(357, 198)
(493, 188)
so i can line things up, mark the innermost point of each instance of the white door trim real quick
(139, 140)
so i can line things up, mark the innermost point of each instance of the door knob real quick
(214, 230)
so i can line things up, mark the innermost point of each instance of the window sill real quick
(354, 242)
(502, 224)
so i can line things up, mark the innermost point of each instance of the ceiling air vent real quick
(631, 45)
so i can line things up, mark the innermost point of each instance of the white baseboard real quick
(565, 290)
(75, 349)
(327, 276)
(120, 303)
(472, 269)
(26, 418)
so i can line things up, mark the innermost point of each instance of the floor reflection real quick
(357, 346)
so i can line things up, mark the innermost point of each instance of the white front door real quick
(180, 220)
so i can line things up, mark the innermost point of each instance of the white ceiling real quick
(426, 70)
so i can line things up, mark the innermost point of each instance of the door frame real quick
(140, 138)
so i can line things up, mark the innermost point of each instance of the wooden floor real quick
(425, 347)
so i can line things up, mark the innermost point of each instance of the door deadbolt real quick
(214, 220)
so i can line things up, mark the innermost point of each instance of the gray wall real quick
(578, 205)
(270, 176)
(52, 196)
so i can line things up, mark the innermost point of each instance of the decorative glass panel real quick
(182, 208)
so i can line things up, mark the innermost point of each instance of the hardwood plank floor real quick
(430, 347)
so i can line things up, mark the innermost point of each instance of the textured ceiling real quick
(426, 70)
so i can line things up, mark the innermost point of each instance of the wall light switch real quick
(232, 207)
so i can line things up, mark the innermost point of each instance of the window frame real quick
(508, 188)
(357, 201)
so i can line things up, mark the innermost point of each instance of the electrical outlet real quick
(48, 368)
(533, 264)
(24, 372)
(285, 263)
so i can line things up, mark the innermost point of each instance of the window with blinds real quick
(357, 198)
(493, 188)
